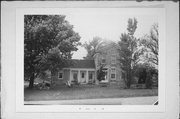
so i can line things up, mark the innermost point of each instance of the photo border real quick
(20, 107)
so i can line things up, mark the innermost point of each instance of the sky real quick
(107, 23)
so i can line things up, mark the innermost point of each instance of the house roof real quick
(76, 63)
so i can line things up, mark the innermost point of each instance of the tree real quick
(100, 74)
(142, 70)
(93, 47)
(52, 61)
(150, 46)
(42, 33)
(128, 51)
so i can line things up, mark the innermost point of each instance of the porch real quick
(82, 76)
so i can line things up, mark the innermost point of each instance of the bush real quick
(146, 74)
(101, 74)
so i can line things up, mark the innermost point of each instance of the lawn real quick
(85, 92)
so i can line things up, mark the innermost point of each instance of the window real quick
(60, 75)
(82, 75)
(113, 76)
(90, 75)
(75, 76)
(113, 59)
(113, 69)
(113, 73)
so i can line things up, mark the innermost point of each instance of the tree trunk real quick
(129, 77)
(129, 81)
(31, 82)
(148, 80)
(52, 77)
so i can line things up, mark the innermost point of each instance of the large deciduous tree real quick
(52, 61)
(128, 51)
(93, 47)
(42, 33)
(150, 46)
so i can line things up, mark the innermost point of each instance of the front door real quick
(91, 77)
(106, 74)
(75, 77)
(83, 77)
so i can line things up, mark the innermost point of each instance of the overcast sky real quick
(106, 23)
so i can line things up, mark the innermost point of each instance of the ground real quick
(85, 92)
(148, 100)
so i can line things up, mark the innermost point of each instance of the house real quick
(108, 58)
(85, 71)
(78, 71)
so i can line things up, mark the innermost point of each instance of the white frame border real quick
(20, 107)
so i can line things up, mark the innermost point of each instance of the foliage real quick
(145, 73)
(151, 71)
(150, 46)
(140, 72)
(52, 61)
(93, 47)
(128, 51)
(100, 74)
(42, 33)
(147, 58)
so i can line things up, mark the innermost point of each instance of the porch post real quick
(95, 76)
(79, 76)
(70, 77)
(108, 74)
(87, 76)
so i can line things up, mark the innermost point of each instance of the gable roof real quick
(76, 63)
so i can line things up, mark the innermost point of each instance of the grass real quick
(85, 92)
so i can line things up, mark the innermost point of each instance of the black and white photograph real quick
(91, 56)
(89, 59)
